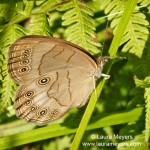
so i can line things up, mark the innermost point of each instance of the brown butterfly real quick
(54, 76)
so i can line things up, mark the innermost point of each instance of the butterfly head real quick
(101, 61)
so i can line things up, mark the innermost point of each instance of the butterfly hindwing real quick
(59, 91)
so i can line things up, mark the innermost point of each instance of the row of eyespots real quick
(54, 113)
(25, 54)
(29, 95)
(29, 103)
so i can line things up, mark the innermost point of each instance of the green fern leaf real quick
(81, 26)
(144, 2)
(65, 6)
(39, 25)
(147, 128)
(132, 40)
(146, 85)
(46, 6)
(113, 7)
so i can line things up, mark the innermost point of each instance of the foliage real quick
(123, 106)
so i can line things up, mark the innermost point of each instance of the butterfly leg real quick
(106, 76)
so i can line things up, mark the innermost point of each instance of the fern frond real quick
(47, 6)
(146, 85)
(113, 7)
(81, 26)
(147, 125)
(135, 42)
(39, 25)
(132, 40)
(17, 12)
(144, 2)
(5, 10)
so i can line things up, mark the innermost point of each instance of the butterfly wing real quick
(49, 97)
(54, 76)
(32, 56)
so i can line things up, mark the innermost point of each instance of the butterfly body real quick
(54, 76)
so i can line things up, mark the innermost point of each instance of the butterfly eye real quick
(29, 94)
(43, 81)
(24, 69)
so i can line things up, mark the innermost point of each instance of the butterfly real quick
(54, 76)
